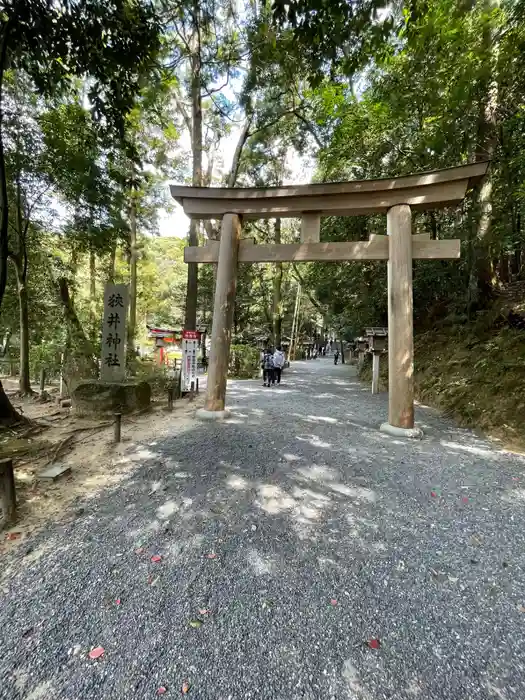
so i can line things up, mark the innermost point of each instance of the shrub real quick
(244, 362)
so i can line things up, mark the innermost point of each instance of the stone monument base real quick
(93, 397)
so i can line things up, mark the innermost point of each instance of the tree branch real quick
(299, 278)
(236, 162)
(209, 93)
(309, 127)
(183, 111)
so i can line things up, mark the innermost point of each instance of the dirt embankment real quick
(56, 436)
(474, 370)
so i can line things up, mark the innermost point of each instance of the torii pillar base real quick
(414, 433)
(204, 414)
(225, 288)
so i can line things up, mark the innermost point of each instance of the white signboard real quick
(114, 325)
(190, 345)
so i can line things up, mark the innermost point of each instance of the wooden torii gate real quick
(396, 197)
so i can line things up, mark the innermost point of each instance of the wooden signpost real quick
(395, 197)
(377, 344)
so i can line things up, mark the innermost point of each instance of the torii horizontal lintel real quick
(375, 249)
(430, 190)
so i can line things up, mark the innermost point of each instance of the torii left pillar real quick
(225, 288)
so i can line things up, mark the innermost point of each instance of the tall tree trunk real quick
(277, 292)
(8, 414)
(93, 321)
(295, 323)
(132, 322)
(236, 162)
(80, 343)
(4, 202)
(190, 321)
(23, 305)
(482, 270)
(112, 260)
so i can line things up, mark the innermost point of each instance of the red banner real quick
(191, 335)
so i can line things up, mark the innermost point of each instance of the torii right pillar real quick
(400, 325)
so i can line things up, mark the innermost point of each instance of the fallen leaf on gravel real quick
(333, 601)
(464, 499)
(96, 653)
(156, 558)
(161, 690)
(374, 643)
(140, 550)
(203, 611)
(117, 602)
(521, 608)
(434, 494)
(185, 688)
(13, 535)
(211, 555)
(196, 623)
(152, 580)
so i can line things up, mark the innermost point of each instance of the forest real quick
(103, 103)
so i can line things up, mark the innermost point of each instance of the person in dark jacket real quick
(268, 367)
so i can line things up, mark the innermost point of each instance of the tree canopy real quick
(117, 98)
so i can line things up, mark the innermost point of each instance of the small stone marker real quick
(55, 471)
(113, 355)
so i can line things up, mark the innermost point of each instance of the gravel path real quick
(295, 533)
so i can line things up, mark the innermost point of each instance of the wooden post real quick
(117, 425)
(7, 494)
(223, 313)
(400, 319)
(360, 360)
(42, 380)
(375, 373)
(61, 385)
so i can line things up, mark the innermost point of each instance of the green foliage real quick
(157, 377)
(244, 362)
(112, 42)
(443, 90)
(335, 34)
(47, 355)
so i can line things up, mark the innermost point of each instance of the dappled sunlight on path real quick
(289, 536)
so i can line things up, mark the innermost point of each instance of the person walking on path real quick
(268, 368)
(278, 363)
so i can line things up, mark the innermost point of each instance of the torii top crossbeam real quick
(430, 190)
